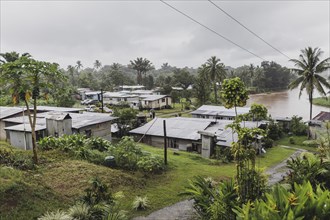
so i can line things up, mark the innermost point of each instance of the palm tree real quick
(11, 57)
(142, 66)
(307, 67)
(71, 70)
(251, 70)
(79, 65)
(97, 64)
(216, 72)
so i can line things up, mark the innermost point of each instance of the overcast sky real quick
(120, 31)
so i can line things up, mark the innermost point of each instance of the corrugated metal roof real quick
(25, 127)
(322, 116)
(182, 128)
(118, 94)
(152, 97)
(87, 119)
(9, 111)
(78, 120)
(58, 109)
(219, 110)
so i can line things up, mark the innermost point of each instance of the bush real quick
(57, 215)
(126, 154)
(297, 126)
(151, 164)
(224, 154)
(140, 203)
(16, 158)
(6, 155)
(268, 142)
(291, 140)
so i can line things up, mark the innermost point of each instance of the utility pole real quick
(102, 100)
(165, 143)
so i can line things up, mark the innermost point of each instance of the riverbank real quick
(322, 101)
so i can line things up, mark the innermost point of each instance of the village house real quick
(317, 126)
(117, 98)
(7, 112)
(218, 112)
(191, 134)
(18, 130)
(155, 101)
(10, 112)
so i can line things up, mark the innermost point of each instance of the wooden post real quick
(165, 143)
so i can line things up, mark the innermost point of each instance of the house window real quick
(163, 100)
(110, 98)
(146, 102)
(158, 101)
(125, 99)
(88, 133)
(118, 99)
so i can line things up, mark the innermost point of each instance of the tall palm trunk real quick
(215, 93)
(310, 105)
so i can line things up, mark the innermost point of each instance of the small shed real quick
(21, 135)
(58, 124)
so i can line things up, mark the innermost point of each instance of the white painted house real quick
(155, 101)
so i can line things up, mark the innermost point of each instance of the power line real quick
(213, 31)
(217, 6)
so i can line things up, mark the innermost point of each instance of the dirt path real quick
(184, 210)
(179, 211)
(278, 172)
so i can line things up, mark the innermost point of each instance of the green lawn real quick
(323, 101)
(60, 180)
(298, 142)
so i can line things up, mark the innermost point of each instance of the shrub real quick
(126, 154)
(268, 142)
(224, 154)
(80, 211)
(150, 164)
(303, 202)
(57, 215)
(291, 140)
(6, 155)
(140, 203)
(297, 126)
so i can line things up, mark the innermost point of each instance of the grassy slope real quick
(58, 182)
(298, 143)
(322, 101)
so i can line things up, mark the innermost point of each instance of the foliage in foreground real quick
(127, 155)
(97, 204)
(302, 202)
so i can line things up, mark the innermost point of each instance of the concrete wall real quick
(117, 100)
(2, 131)
(99, 130)
(182, 144)
(58, 128)
(17, 140)
(157, 104)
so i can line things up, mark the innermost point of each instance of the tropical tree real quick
(97, 64)
(71, 71)
(308, 67)
(142, 66)
(15, 76)
(201, 87)
(234, 93)
(251, 71)
(27, 77)
(79, 65)
(216, 72)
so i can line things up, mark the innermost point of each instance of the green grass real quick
(323, 101)
(60, 180)
(298, 143)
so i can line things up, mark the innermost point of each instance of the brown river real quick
(286, 103)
